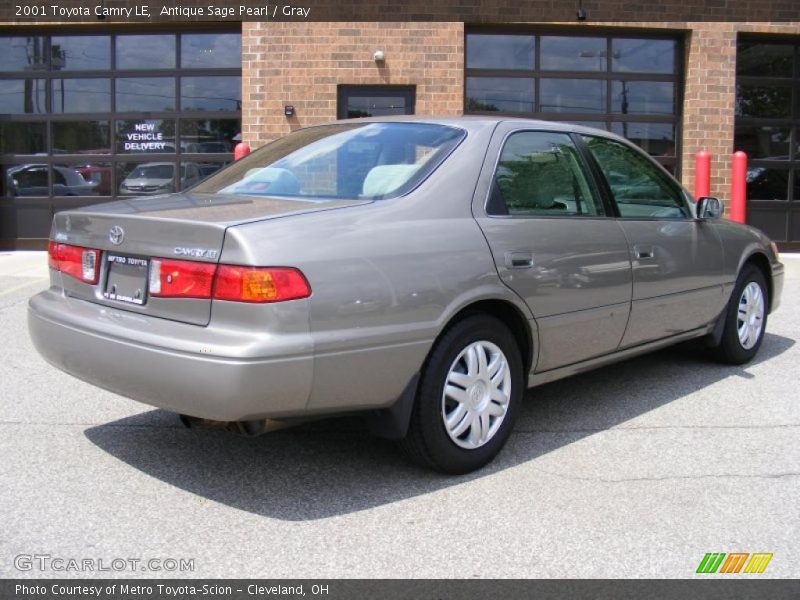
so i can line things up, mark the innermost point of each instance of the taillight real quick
(180, 278)
(76, 261)
(257, 284)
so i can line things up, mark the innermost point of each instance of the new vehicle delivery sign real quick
(145, 136)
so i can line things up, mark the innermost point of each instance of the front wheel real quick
(745, 318)
(469, 393)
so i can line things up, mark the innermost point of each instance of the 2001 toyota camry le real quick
(421, 272)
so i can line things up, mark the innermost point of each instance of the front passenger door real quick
(554, 244)
(677, 260)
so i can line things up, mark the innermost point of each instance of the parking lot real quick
(635, 470)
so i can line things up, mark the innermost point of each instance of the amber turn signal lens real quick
(257, 284)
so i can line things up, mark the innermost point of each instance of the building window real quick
(628, 84)
(768, 130)
(375, 100)
(82, 113)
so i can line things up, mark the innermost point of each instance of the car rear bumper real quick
(188, 369)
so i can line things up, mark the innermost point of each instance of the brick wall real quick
(302, 63)
(710, 96)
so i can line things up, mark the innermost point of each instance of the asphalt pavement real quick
(635, 470)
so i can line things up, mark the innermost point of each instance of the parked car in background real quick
(420, 272)
(99, 177)
(158, 178)
(32, 180)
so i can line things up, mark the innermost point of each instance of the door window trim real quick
(585, 166)
(602, 183)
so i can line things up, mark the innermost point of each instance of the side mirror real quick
(709, 208)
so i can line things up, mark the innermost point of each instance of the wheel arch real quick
(760, 261)
(507, 313)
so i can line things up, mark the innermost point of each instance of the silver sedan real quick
(420, 272)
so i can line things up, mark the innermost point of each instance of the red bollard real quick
(702, 174)
(738, 211)
(240, 151)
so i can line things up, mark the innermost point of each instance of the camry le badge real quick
(116, 235)
(196, 252)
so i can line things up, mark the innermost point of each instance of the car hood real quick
(148, 181)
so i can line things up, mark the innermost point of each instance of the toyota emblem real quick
(116, 235)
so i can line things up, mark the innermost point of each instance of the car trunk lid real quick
(131, 233)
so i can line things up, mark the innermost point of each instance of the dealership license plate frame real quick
(126, 279)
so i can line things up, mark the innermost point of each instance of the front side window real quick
(639, 187)
(539, 174)
(368, 160)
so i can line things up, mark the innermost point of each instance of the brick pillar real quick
(709, 102)
(302, 63)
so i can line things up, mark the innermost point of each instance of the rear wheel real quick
(468, 397)
(745, 318)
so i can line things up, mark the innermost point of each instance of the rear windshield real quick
(351, 160)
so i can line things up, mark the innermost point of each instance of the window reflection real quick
(23, 96)
(146, 52)
(643, 97)
(96, 174)
(22, 53)
(81, 137)
(763, 141)
(643, 55)
(768, 101)
(657, 139)
(81, 95)
(33, 180)
(211, 93)
(499, 51)
(208, 135)
(569, 53)
(27, 180)
(71, 180)
(156, 177)
(80, 53)
(572, 95)
(509, 94)
(211, 50)
(23, 138)
(767, 184)
(143, 94)
(765, 60)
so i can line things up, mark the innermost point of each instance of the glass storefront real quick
(768, 130)
(629, 84)
(86, 118)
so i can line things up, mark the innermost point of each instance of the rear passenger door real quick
(677, 259)
(554, 243)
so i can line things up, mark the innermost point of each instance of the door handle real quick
(519, 260)
(644, 252)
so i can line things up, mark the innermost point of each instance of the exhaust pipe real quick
(251, 428)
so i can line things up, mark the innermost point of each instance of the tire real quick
(428, 441)
(734, 349)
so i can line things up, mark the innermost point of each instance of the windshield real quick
(152, 172)
(352, 160)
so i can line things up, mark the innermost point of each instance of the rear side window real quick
(639, 187)
(540, 174)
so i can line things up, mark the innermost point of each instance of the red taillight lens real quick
(76, 261)
(257, 284)
(180, 278)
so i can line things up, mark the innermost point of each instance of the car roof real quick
(471, 122)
